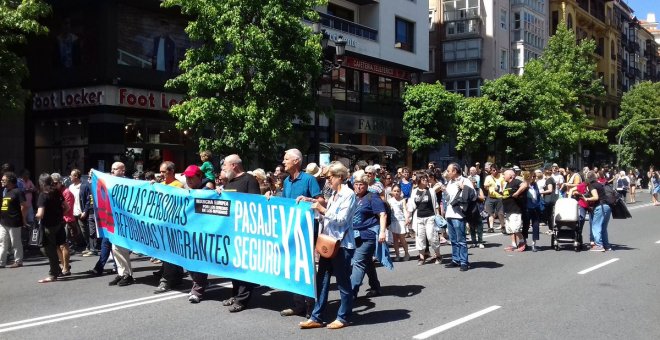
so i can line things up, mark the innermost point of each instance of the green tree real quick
(250, 72)
(563, 83)
(479, 119)
(430, 115)
(18, 20)
(640, 116)
(517, 128)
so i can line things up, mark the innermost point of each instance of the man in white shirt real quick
(81, 223)
(456, 218)
(558, 177)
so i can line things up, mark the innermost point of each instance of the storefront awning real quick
(354, 148)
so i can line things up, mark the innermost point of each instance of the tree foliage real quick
(478, 120)
(563, 83)
(18, 20)
(430, 115)
(527, 116)
(640, 116)
(249, 75)
(517, 131)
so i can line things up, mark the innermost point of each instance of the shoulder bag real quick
(37, 235)
(326, 245)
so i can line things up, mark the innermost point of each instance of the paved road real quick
(505, 295)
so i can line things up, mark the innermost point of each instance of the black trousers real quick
(172, 274)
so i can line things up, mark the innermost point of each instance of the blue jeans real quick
(363, 264)
(456, 230)
(600, 217)
(106, 248)
(532, 218)
(340, 267)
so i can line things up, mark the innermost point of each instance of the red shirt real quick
(70, 200)
(582, 189)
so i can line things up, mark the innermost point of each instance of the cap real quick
(377, 166)
(516, 168)
(192, 171)
(555, 165)
(313, 169)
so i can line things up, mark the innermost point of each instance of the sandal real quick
(48, 279)
(228, 302)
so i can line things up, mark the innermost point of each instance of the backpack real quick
(388, 211)
(611, 195)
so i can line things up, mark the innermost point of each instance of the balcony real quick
(470, 13)
(348, 27)
(363, 2)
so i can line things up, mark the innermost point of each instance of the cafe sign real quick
(387, 71)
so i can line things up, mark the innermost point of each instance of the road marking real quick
(454, 323)
(598, 266)
(98, 309)
(657, 242)
(640, 206)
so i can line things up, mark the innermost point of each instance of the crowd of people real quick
(368, 209)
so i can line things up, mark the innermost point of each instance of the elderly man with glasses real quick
(375, 187)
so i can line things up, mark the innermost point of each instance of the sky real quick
(642, 7)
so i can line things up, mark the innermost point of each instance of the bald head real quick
(509, 175)
(118, 169)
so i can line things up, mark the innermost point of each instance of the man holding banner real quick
(122, 255)
(195, 180)
(300, 186)
(239, 181)
(172, 274)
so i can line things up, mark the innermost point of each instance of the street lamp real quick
(332, 59)
(618, 152)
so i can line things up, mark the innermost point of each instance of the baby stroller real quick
(567, 224)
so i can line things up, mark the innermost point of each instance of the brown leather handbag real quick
(327, 246)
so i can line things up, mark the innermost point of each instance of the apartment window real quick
(462, 67)
(431, 19)
(516, 57)
(503, 18)
(504, 59)
(462, 27)
(404, 32)
(431, 60)
(461, 50)
(516, 20)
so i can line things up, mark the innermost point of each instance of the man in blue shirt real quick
(300, 186)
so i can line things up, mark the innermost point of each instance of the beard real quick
(230, 174)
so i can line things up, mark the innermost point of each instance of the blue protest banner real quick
(234, 235)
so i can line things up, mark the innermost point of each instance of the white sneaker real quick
(194, 298)
(481, 246)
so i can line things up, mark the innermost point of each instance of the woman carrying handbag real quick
(337, 221)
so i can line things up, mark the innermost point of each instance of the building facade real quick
(387, 45)
(98, 82)
(529, 31)
(98, 91)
